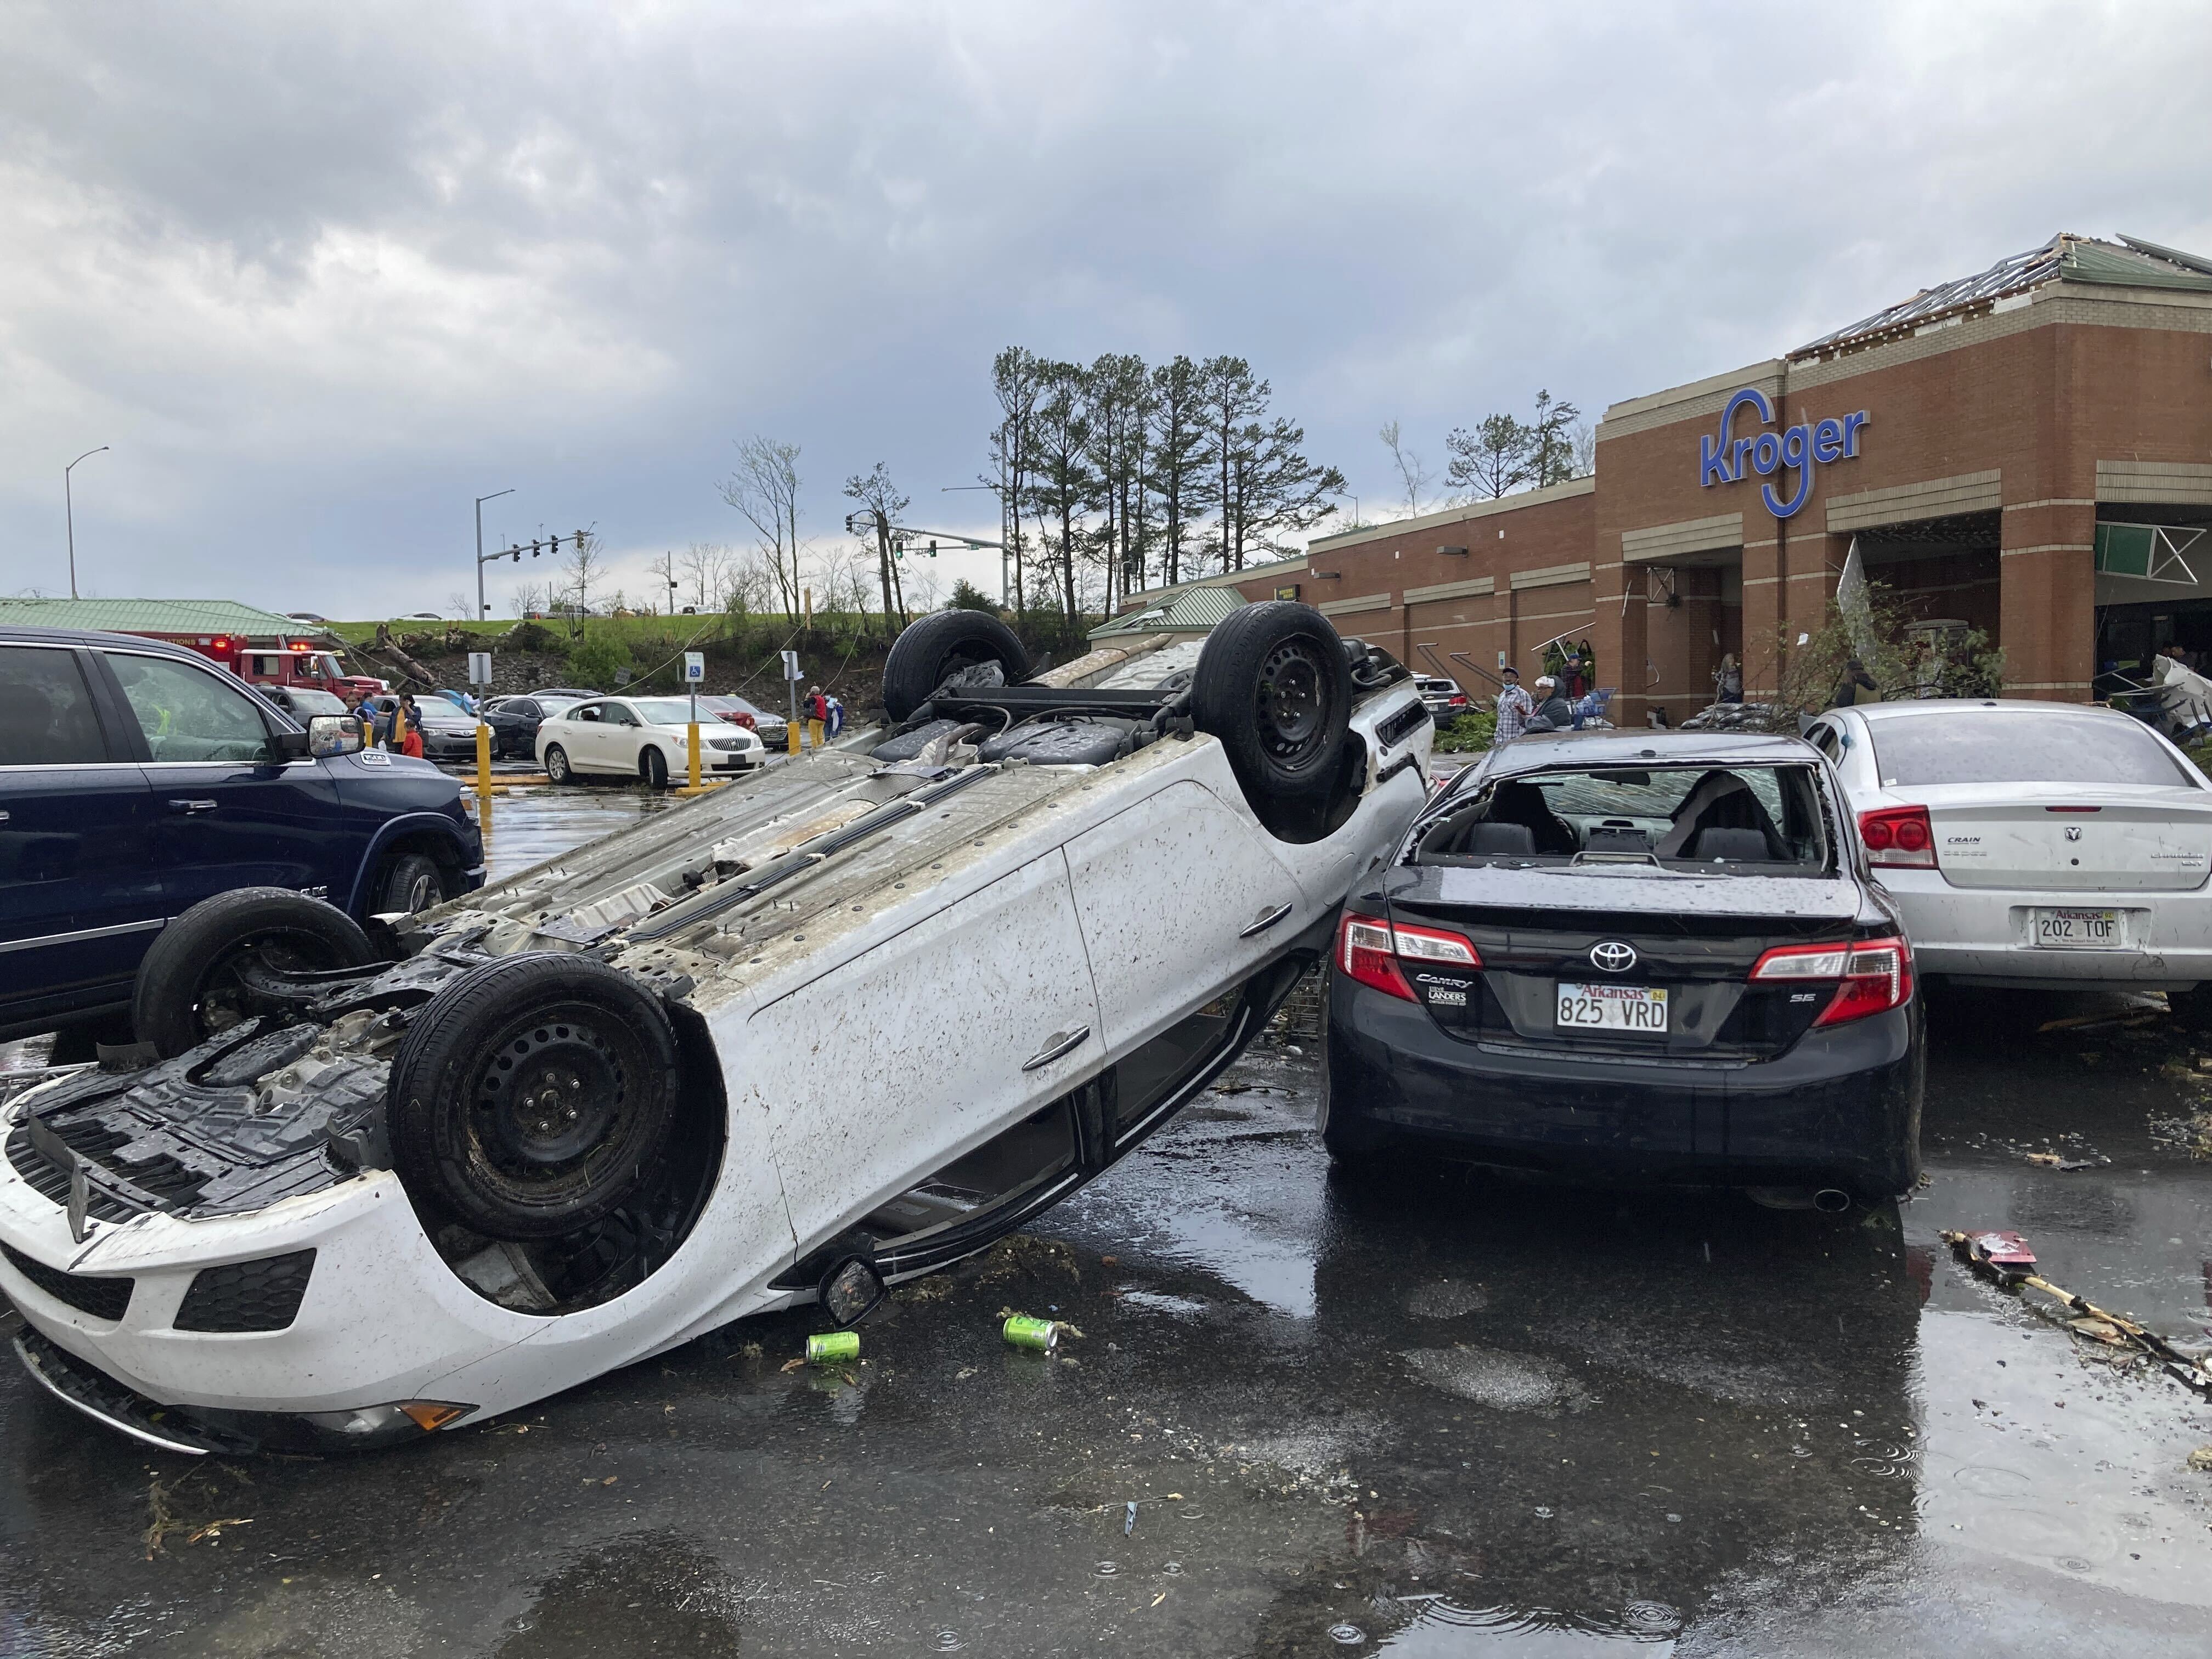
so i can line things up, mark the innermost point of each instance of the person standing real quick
(411, 743)
(1553, 712)
(1728, 681)
(816, 709)
(1514, 705)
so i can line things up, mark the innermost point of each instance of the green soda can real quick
(833, 1348)
(1038, 1335)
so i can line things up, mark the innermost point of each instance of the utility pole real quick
(69, 511)
(481, 500)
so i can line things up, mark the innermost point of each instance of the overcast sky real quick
(320, 275)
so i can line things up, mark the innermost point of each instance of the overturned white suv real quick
(828, 1028)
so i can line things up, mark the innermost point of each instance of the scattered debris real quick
(1129, 1520)
(833, 1348)
(1024, 1252)
(2005, 1257)
(2053, 1161)
(1038, 1335)
(2201, 1460)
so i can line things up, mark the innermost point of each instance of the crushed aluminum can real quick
(833, 1348)
(2004, 1255)
(1038, 1335)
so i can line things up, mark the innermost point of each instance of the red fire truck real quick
(286, 663)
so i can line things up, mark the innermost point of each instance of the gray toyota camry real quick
(1644, 955)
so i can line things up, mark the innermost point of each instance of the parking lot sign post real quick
(792, 675)
(695, 670)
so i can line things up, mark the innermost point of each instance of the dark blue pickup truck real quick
(137, 779)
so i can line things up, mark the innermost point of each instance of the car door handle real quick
(189, 806)
(1059, 1043)
(1267, 919)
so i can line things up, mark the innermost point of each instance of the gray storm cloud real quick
(321, 276)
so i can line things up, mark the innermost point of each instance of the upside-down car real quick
(826, 1029)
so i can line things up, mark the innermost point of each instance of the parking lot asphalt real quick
(1423, 1414)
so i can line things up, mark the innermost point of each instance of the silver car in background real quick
(2033, 844)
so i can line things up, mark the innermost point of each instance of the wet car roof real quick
(1614, 747)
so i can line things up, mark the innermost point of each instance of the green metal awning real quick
(194, 617)
(2148, 552)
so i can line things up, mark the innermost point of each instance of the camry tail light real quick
(1875, 975)
(1899, 835)
(1369, 949)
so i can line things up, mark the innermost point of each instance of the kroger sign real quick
(1726, 459)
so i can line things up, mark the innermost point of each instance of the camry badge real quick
(1613, 956)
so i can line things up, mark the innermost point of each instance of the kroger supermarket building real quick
(1972, 439)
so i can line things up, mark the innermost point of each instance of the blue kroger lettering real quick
(1724, 458)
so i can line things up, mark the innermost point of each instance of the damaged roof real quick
(2129, 263)
(1190, 610)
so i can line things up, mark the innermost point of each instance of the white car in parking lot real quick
(2033, 844)
(643, 738)
(838, 1025)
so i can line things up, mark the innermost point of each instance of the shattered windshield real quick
(1704, 819)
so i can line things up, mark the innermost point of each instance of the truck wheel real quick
(556, 764)
(931, 649)
(533, 1095)
(652, 767)
(188, 988)
(1272, 685)
(409, 881)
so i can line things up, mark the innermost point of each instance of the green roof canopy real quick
(195, 617)
(1192, 611)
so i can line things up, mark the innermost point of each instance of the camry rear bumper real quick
(1841, 1107)
(1986, 935)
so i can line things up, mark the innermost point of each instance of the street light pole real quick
(481, 500)
(69, 511)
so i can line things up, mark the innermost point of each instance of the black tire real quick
(652, 767)
(557, 768)
(533, 1095)
(408, 883)
(931, 649)
(1272, 685)
(187, 990)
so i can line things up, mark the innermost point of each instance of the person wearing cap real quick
(1514, 705)
(1554, 711)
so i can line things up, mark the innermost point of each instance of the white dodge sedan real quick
(2033, 844)
(644, 737)
(835, 1025)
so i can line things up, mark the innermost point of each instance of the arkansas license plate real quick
(2078, 930)
(1639, 1008)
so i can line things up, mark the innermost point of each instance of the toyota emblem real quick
(1613, 956)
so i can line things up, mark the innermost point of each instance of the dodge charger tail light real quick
(1369, 949)
(1899, 835)
(1875, 975)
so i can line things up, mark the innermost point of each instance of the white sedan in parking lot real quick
(2033, 844)
(643, 738)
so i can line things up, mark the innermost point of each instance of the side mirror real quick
(287, 746)
(333, 735)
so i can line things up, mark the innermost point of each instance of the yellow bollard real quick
(791, 731)
(693, 743)
(483, 762)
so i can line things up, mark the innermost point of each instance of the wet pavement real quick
(1423, 1414)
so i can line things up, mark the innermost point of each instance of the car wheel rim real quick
(1292, 702)
(554, 1093)
(419, 895)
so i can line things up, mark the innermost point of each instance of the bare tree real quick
(764, 487)
(528, 597)
(585, 566)
(746, 585)
(706, 566)
(666, 583)
(880, 506)
(1412, 471)
(1582, 439)
(461, 606)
